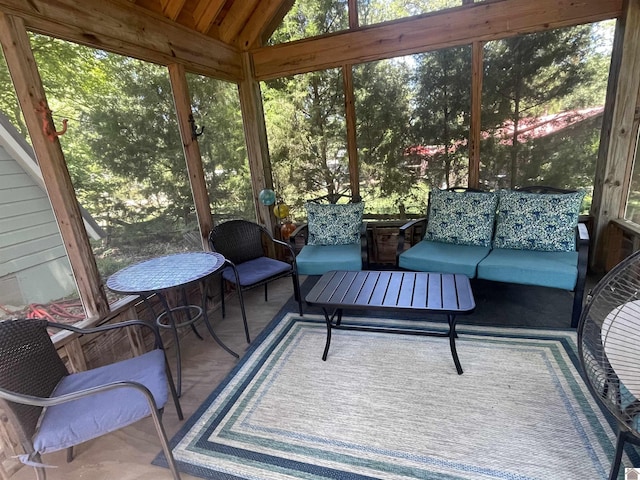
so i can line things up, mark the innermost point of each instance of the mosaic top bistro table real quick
(160, 275)
(438, 293)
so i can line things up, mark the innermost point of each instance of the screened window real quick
(307, 137)
(36, 279)
(310, 18)
(377, 11)
(412, 128)
(542, 104)
(633, 203)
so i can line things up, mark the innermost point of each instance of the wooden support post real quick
(255, 134)
(350, 113)
(75, 356)
(31, 95)
(352, 146)
(475, 124)
(614, 163)
(182, 101)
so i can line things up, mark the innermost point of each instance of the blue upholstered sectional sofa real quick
(506, 236)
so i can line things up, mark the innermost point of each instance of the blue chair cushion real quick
(548, 269)
(74, 422)
(463, 218)
(334, 224)
(320, 259)
(427, 256)
(537, 221)
(256, 270)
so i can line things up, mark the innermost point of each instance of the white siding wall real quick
(32, 257)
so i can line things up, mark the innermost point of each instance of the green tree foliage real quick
(376, 11)
(443, 104)
(125, 155)
(216, 107)
(311, 18)
(123, 147)
(306, 128)
(382, 93)
(412, 114)
(526, 77)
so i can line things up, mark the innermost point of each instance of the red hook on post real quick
(47, 122)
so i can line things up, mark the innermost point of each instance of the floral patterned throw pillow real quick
(537, 221)
(462, 218)
(331, 224)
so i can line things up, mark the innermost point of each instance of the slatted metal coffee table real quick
(436, 293)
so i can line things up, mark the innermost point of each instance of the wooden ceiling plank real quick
(172, 8)
(235, 19)
(123, 28)
(261, 17)
(484, 21)
(206, 13)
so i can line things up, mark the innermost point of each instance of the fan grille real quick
(609, 342)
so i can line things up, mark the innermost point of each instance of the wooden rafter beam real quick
(482, 21)
(235, 19)
(171, 8)
(261, 17)
(206, 13)
(274, 23)
(122, 27)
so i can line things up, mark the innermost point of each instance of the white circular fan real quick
(609, 348)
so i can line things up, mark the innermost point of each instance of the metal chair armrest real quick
(402, 233)
(582, 244)
(301, 230)
(110, 326)
(364, 248)
(69, 397)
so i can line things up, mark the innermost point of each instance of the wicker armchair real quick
(247, 246)
(79, 406)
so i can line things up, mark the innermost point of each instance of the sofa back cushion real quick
(461, 218)
(537, 221)
(331, 224)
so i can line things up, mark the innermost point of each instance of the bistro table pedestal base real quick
(157, 276)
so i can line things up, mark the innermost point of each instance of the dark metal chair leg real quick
(239, 289)
(617, 459)
(296, 292)
(205, 316)
(176, 337)
(70, 454)
(165, 444)
(188, 314)
(244, 315)
(172, 388)
(222, 296)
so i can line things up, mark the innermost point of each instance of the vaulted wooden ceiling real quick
(242, 23)
(225, 39)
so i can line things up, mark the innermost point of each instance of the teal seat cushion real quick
(529, 267)
(319, 259)
(427, 256)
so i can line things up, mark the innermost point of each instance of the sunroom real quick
(152, 121)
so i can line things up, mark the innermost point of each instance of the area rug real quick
(393, 407)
